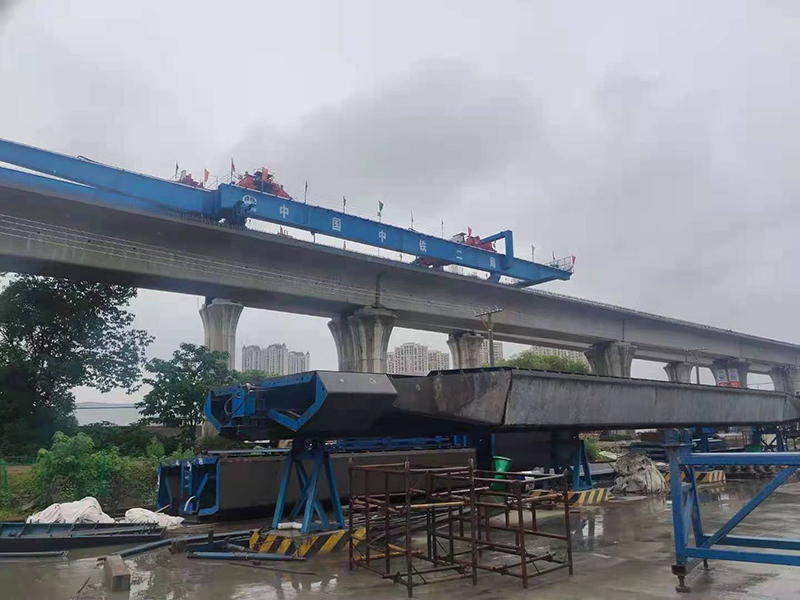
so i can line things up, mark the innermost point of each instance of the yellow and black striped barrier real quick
(302, 545)
(716, 476)
(584, 498)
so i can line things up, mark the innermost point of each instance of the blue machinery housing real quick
(687, 521)
(87, 180)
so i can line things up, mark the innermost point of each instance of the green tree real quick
(180, 386)
(251, 376)
(55, 335)
(528, 360)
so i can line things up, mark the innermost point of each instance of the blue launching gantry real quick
(86, 180)
(686, 519)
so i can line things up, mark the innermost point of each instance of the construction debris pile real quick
(637, 474)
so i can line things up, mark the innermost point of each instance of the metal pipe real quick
(243, 556)
(143, 548)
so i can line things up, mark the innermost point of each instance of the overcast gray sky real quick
(659, 143)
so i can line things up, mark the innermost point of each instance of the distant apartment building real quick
(415, 359)
(275, 359)
(438, 360)
(253, 359)
(498, 352)
(571, 354)
(299, 362)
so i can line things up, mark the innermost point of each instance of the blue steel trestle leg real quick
(314, 516)
(686, 509)
(581, 474)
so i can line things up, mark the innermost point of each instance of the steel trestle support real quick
(686, 519)
(314, 515)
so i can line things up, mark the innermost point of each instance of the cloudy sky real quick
(660, 144)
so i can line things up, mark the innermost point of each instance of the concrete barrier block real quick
(116, 576)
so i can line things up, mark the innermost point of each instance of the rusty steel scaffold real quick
(470, 519)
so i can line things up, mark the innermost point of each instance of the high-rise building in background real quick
(411, 358)
(275, 359)
(391, 363)
(415, 359)
(572, 354)
(299, 362)
(438, 360)
(253, 359)
(498, 352)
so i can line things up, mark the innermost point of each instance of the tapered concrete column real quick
(362, 339)
(465, 347)
(611, 358)
(679, 372)
(786, 379)
(220, 319)
(728, 371)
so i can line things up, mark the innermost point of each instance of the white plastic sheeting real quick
(142, 515)
(87, 510)
(637, 474)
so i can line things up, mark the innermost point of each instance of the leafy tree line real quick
(57, 334)
(527, 359)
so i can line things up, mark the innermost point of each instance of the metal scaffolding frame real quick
(686, 518)
(455, 507)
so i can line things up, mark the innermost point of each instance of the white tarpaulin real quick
(142, 515)
(81, 511)
(637, 474)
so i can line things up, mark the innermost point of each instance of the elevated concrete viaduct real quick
(73, 237)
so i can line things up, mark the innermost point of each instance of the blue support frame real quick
(686, 518)
(87, 180)
(581, 473)
(314, 516)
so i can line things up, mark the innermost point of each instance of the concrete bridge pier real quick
(786, 379)
(726, 370)
(465, 348)
(611, 358)
(679, 372)
(362, 339)
(220, 318)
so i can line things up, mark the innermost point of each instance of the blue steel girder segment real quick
(103, 177)
(243, 202)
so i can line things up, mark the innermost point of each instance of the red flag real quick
(469, 231)
(264, 173)
(205, 175)
(233, 167)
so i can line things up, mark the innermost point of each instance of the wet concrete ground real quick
(622, 550)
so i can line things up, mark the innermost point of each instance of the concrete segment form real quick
(611, 358)
(679, 372)
(465, 347)
(220, 319)
(362, 339)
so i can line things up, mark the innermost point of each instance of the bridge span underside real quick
(65, 233)
(501, 399)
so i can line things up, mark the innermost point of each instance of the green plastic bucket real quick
(502, 464)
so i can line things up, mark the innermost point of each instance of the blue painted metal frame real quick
(581, 473)
(314, 516)
(686, 517)
(118, 187)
